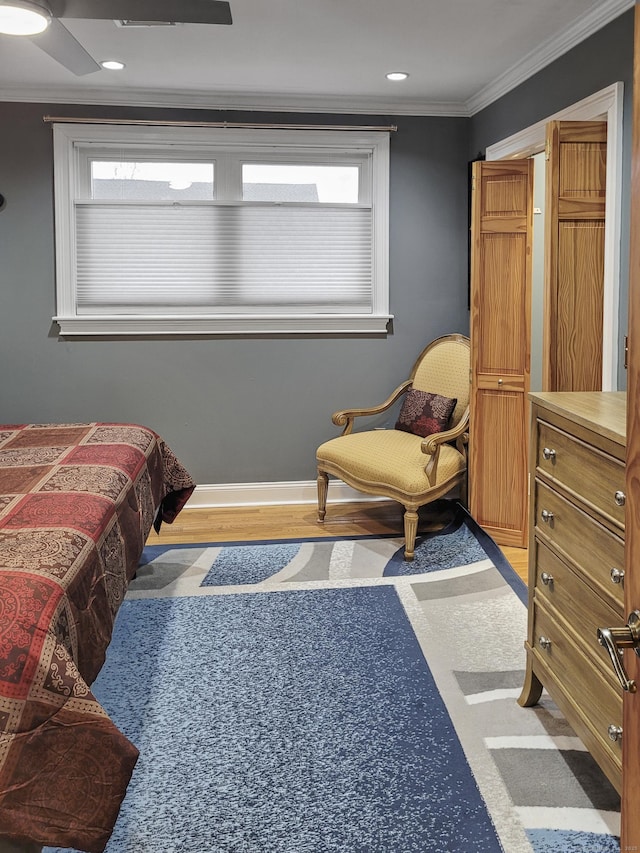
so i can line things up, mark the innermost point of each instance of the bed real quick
(77, 502)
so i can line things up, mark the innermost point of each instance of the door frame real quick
(603, 105)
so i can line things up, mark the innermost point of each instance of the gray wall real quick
(599, 61)
(235, 410)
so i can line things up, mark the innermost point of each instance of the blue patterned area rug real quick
(325, 696)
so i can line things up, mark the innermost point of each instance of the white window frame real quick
(75, 144)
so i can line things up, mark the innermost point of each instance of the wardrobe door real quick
(501, 241)
(574, 254)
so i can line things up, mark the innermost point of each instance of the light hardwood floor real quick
(300, 521)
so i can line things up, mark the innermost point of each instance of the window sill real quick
(123, 325)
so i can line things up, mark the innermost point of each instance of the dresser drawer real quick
(588, 547)
(561, 589)
(588, 473)
(599, 704)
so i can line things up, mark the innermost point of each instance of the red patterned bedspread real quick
(77, 502)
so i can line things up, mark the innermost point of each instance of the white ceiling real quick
(317, 55)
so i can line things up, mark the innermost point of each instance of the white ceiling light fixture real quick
(112, 64)
(397, 75)
(23, 18)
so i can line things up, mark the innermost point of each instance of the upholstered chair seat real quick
(424, 457)
(391, 460)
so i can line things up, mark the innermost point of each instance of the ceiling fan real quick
(46, 30)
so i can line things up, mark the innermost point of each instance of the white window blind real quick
(140, 257)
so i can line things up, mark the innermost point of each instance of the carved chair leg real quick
(323, 487)
(410, 530)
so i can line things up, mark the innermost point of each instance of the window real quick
(167, 230)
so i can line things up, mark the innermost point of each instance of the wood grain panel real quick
(501, 498)
(503, 259)
(574, 255)
(579, 306)
(504, 195)
(582, 131)
(577, 413)
(583, 175)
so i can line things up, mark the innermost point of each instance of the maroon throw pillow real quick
(423, 413)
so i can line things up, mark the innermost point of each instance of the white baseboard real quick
(271, 494)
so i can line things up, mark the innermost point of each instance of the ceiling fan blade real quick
(58, 42)
(178, 11)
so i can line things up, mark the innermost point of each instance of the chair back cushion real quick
(443, 368)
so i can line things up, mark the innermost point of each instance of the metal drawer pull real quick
(617, 575)
(615, 733)
(546, 516)
(620, 498)
(546, 579)
(549, 453)
(615, 640)
(544, 643)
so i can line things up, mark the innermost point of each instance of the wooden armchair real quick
(413, 469)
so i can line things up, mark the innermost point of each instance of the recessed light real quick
(23, 18)
(112, 65)
(397, 75)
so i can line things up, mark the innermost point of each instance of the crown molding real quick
(547, 52)
(232, 101)
(602, 14)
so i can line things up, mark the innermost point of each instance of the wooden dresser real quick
(576, 563)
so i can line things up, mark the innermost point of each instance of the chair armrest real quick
(432, 444)
(433, 441)
(346, 417)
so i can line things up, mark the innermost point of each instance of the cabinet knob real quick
(620, 498)
(615, 733)
(544, 643)
(617, 575)
(549, 454)
(546, 579)
(546, 516)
